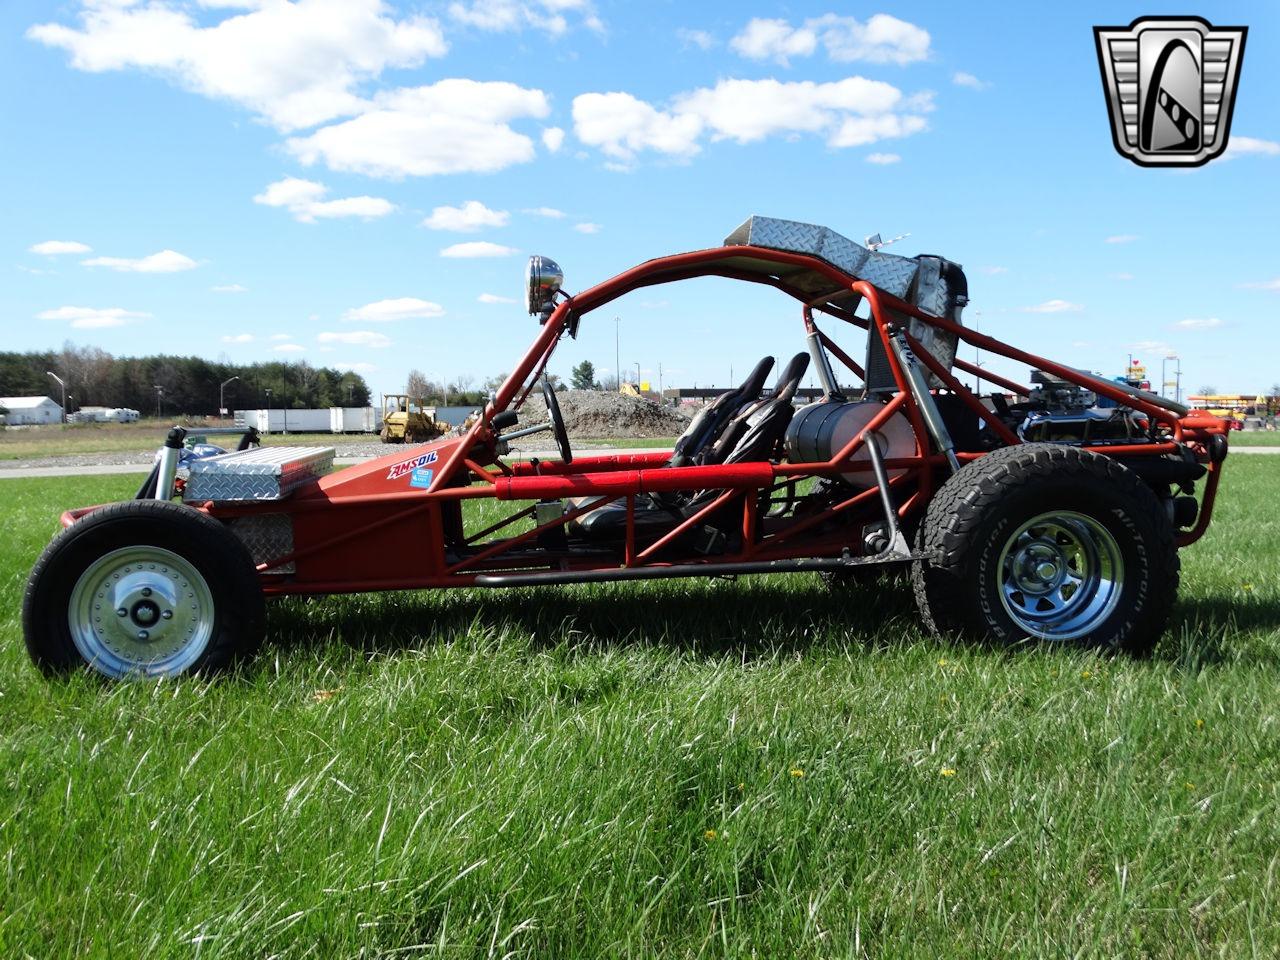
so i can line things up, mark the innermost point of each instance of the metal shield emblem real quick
(1170, 84)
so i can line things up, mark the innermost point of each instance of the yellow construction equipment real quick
(406, 419)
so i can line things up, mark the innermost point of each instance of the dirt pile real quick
(596, 413)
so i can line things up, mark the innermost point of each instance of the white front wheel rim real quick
(141, 611)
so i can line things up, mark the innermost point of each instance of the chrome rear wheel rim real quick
(141, 611)
(1061, 575)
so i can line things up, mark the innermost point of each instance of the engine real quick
(1058, 411)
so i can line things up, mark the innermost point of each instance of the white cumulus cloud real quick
(846, 113)
(468, 218)
(238, 338)
(354, 367)
(295, 64)
(883, 159)
(1263, 285)
(166, 261)
(880, 39)
(507, 16)
(451, 126)
(398, 308)
(1243, 146)
(52, 248)
(553, 139)
(1198, 323)
(551, 213)
(962, 79)
(1054, 306)
(356, 338)
(305, 200)
(477, 248)
(229, 288)
(695, 38)
(766, 39)
(587, 227)
(494, 298)
(93, 318)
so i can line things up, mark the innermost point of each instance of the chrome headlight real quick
(543, 279)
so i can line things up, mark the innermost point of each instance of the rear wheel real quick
(143, 588)
(1051, 543)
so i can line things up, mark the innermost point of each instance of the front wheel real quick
(1052, 543)
(143, 588)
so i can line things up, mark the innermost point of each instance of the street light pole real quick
(159, 400)
(222, 402)
(64, 393)
(637, 375)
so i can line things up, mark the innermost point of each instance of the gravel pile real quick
(591, 414)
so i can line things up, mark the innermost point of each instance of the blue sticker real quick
(421, 478)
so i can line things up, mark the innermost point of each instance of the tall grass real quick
(689, 768)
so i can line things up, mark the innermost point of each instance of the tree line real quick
(173, 385)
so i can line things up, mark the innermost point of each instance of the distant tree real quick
(609, 383)
(416, 384)
(583, 376)
(1207, 391)
(493, 383)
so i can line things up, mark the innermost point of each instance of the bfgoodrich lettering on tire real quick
(142, 588)
(1048, 542)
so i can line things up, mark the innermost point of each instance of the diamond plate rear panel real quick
(268, 536)
(267, 473)
(918, 280)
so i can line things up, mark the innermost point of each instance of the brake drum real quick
(821, 430)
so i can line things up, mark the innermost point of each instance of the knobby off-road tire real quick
(143, 588)
(1052, 543)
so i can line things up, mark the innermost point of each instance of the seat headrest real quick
(791, 375)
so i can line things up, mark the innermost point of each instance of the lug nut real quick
(143, 635)
(122, 612)
(146, 591)
(168, 614)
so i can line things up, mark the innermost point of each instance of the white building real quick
(23, 410)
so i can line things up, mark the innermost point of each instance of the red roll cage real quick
(364, 528)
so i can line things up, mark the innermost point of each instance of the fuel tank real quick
(820, 430)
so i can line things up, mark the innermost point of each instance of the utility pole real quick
(222, 401)
(64, 393)
(617, 350)
(159, 400)
(659, 379)
(268, 410)
(1177, 392)
(637, 374)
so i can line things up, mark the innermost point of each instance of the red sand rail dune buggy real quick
(1050, 512)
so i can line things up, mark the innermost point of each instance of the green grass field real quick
(709, 768)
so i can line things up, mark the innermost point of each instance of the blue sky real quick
(314, 179)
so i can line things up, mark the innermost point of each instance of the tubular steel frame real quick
(353, 521)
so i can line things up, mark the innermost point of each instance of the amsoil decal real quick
(408, 466)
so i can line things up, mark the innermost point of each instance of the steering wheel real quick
(557, 420)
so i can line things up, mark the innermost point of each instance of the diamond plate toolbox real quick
(267, 473)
